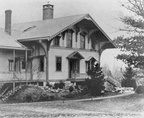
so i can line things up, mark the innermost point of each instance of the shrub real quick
(71, 89)
(128, 80)
(59, 85)
(140, 90)
(95, 85)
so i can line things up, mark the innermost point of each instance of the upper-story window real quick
(93, 44)
(69, 38)
(56, 41)
(82, 40)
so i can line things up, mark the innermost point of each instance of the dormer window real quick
(56, 41)
(69, 38)
(82, 40)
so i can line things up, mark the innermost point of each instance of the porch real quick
(77, 77)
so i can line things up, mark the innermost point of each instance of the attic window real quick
(29, 28)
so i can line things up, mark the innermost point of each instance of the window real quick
(56, 41)
(93, 45)
(17, 65)
(82, 40)
(23, 65)
(41, 64)
(69, 39)
(58, 63)
(89, 64)
(11, 65)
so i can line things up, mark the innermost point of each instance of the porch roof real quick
(75, 55)
(9, 41)
(90, 58)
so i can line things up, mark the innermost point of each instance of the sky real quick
(105, 12)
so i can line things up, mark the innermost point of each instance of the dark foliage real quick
(128, 80)
(59, 85)
(95, 85)
(140, 90)
(71, 89)
(134, 25)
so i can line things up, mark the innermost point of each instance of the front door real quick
(73, 67)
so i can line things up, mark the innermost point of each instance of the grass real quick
(129, 106)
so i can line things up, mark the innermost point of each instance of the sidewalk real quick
(107, 97)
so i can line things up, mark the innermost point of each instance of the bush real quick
(59, 85)
(128, 80)
(29, 93)
(71, 89)
(95, 85)
(140, 90)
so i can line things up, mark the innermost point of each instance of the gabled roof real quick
(90, 58)
(45, 28)
(9, 41)
(75, 55)
(48, 29)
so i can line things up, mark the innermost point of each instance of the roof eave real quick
(103, 31)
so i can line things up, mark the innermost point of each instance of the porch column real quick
(73, 40)
(78, 40)
(86, 42)
(14, 69)
(31, 66)
(14, 63)
(26, 66)
(90, 45)
(46, 46)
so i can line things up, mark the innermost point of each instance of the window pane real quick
(11, 65)
(69, 39)
(41, 66)
(23, 65)
(82, 41)
(56, 41)
(58, 63)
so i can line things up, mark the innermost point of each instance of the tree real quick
(134, 25)
(129, 80)
(96, 83)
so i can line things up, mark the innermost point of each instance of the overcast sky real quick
(104, 12)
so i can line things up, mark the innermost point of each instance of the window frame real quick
(41, 64)
(11, 65)
(56, 41)
(69, 38)
(82, 40)
(89, 64)
(58, 70)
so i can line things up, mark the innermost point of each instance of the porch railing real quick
(79, 75)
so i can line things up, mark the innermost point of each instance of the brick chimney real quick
(8, 21)
(48, 11)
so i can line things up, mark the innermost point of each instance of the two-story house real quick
(57, 49)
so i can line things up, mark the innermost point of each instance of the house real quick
(52, 49)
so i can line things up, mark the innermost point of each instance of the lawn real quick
(124, 107)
